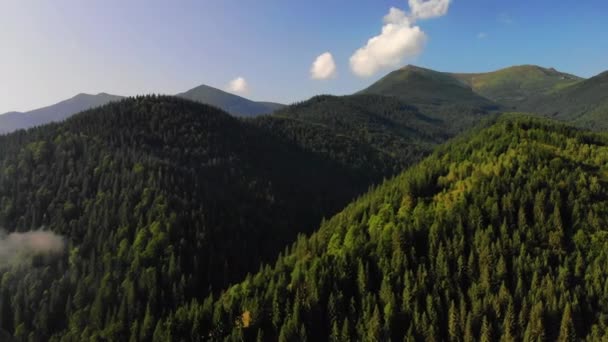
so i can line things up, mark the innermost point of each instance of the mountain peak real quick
(421, 86)
(231, 103)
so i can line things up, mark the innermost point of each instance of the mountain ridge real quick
(59, 111)
(231, 103)
(422, 86)
(514, 85)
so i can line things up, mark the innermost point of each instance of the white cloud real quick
(389, 49)
(324, 67)
(482, 35)
(238, 85)
(396, 16)
(400, 38)
(505, 18)
(426, 9)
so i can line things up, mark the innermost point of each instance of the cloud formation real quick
(482, 35)
(399, 39)
(324, 67)
(21, 248)
(238, 85)
(426, 9)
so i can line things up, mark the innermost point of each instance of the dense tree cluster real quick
(161, 201)
(368, 132)
(500, 235)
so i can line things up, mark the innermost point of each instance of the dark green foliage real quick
(380, 132)
(499, 235)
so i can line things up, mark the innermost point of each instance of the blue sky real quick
(52, 50)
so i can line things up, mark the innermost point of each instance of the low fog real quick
(20, 248)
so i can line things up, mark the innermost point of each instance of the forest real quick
(499, 235)
(177, 221)
(162, 201)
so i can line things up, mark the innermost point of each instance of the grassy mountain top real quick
(517, 84)
(233, 104)
(498, 235)
(584, 103)
(420, 86)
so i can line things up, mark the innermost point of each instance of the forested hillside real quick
(160, 201)
(388, 125)
(498, 235)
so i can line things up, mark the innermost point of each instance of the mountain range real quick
(60, 111)
(233, 104)
(530, 88)
(415, 209)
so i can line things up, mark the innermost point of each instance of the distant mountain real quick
(58, 112)
(584, 103)
(233, 104)
(420, 86)
(515, 85)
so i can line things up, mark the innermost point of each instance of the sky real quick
(278, 50)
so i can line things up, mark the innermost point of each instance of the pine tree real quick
(486, 331)
(567, 332)
(374, 330)
(508, 325)
(454, 330)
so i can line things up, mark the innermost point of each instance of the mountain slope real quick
(379, 135)
(233, 104)
(584, 103)
(384, 123)
(13, 121)
(515, 85)
(499, 235)
(420, 86)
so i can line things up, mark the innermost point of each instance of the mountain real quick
(419, 86)
(233, 104)
(13, 121)
(500, 234)
(584, 103)
(513, 86)
(160, 201)
(388, 133)
(384, 123)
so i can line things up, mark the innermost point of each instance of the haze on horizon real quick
(278, 51)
